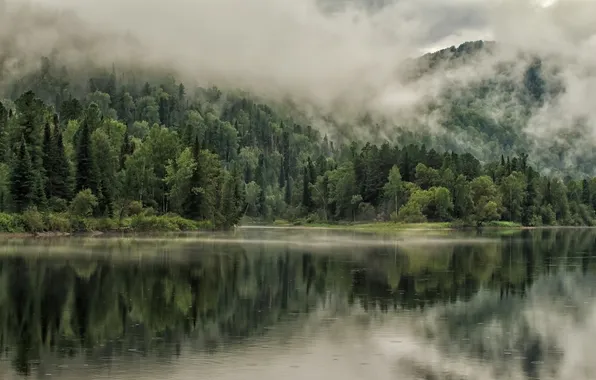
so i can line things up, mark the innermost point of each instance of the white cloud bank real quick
(344, 59)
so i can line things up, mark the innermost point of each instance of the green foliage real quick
(85, 162)
(178, 176)
(411, 212)
(135, 208)
(10, 223)
(33, 220)
(22, 179)
(83, 204)
(57, 222)
(137, 153)
(165, 223)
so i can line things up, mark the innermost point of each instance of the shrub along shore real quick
(35, 222)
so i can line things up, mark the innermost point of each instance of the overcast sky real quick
(427, 24)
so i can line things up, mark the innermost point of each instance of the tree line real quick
(116, 148)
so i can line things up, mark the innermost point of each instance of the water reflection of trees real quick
(67, 305)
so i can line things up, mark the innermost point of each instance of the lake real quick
(294, 304)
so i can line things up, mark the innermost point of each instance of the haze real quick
(328, 56)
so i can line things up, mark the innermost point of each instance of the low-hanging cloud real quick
(334, 56)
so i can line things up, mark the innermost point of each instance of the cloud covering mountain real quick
(339, 58)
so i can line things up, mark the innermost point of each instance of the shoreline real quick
(375, 227)
(402, 227)
(35, 224)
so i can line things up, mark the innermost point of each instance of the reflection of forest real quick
(226, 292)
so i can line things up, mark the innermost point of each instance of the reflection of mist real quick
(549, 333)
(194, 308)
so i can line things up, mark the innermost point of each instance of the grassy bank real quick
(391, 226)
(33, 222)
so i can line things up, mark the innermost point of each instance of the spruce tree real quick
(61, 179)
(529, 207)
(85, 177)
(306, 193)
(3, 117)
(3, 132)
(105, 200)
(312, 171)
(30, 111)
(281, 180)
(405, 168)
(239, 194)
(288, 191)
(70, 110)
(126, 149)
(233, 199)
(22, 179)
(260, 177)
(262, 204)
(48, 160)
(192, 206)
(586, 193)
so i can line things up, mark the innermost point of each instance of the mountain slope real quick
(485, 103)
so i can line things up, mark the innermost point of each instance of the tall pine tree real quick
(192, 207)
(22, 179)
(85, 178)
(61, 178)
(3, 132)
(48, 160)
(307, 201)
(126, 149)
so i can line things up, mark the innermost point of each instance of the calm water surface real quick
(290, 304)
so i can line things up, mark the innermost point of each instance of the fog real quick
(329, 57)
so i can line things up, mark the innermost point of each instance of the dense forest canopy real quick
(124, 143)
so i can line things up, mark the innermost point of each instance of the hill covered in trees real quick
(123, 144)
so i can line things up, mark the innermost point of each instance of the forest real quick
(120, 153)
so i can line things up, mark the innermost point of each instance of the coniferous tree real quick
(3, 116)
(30, 111)
(3, 132)
(61, 178)
(334, 180)
(239, 195)
(529, 207)
(262, 204)
(312, 171)
(86, 176)
(406, 166)
(228, 204)
(281, 179)
(260, 172)
(288, 191)
(48, 160)
(586, 193)
(307, 201)
(105, 200)
(70, 110)
(233, 198)
(193, 204)
(126, 150)
(22, 179)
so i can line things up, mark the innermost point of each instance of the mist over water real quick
(517, 306)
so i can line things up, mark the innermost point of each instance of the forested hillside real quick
(124, 145)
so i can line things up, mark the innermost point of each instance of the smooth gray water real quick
(294, 304)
